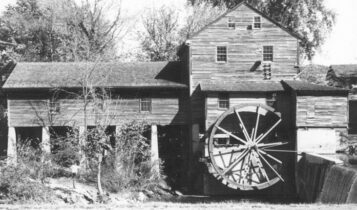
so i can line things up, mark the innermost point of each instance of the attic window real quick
(145, 104)
(231, 23)
(268, 53)
(223, 101)
(257, 24)
(221, 54)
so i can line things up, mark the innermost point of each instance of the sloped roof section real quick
(115, 75)
(297, 36)
(242, 86)
(346, 71)
(306, 88)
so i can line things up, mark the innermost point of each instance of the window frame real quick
(231, 21)
(226, 54)
(54, 107)
(268, 53)
(141, 101)
(223, 98)
(260, 23)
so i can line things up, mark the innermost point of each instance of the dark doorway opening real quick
(172, 151)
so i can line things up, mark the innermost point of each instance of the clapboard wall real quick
(321, 111)
(213, 112)
(33, 111)
(244, 50)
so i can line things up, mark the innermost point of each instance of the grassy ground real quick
(193, 206)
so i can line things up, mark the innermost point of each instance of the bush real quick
(128, 166)
(23, 180)
(66, 150)
(17, 185)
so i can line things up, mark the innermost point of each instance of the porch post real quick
(46, 144)
(154, 145)
(11, 144)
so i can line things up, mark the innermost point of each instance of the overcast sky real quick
(340, 47)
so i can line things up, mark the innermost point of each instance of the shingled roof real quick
(306, 88)
(346, 71)
(115, 75)
(242, 86)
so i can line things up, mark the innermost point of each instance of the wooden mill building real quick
(218, 115)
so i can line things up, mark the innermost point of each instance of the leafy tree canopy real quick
(60, 30)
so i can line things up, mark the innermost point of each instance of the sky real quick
(339, 48)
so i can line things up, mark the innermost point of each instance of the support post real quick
(46, 144)
(11, 145)
(82, 141)
(154, 146)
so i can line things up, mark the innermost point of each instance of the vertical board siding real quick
(35, 112)
(244, 48)
(321, 111)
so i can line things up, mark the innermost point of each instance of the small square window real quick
(54, 107)
(231, 23)
(221, 54)
(268, 53)
(257, 24)
(145, 104)
(223, 101)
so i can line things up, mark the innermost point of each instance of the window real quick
(268, 53)
(54, 107)
(223, 101)
(145, 104)
(257, 24)
(231, 23)
(221, 54)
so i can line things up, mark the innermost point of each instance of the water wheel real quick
(240, 147)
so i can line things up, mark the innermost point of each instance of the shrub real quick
(23, 180)
(66, 150)
(127, 166)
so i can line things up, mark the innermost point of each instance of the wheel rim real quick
(238, 147)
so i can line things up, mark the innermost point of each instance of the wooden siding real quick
(321, 111)
(213, 112)
(244, 47)
(166, 109)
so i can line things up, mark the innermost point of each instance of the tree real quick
(60, 30)
(199, 14)
(160, 39)
(308, 18)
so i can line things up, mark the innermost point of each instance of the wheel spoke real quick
(275, 144)
(231, 134)
(271, 157)
(260, 165)
(270, 166)
(235, 162)
(243, 126)
(256, 125)
(268, 132)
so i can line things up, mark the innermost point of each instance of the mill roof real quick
(115, 75)
(242, 86)
(306, 88)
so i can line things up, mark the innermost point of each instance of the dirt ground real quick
(193, 206)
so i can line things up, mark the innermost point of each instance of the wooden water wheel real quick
(240, 147)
